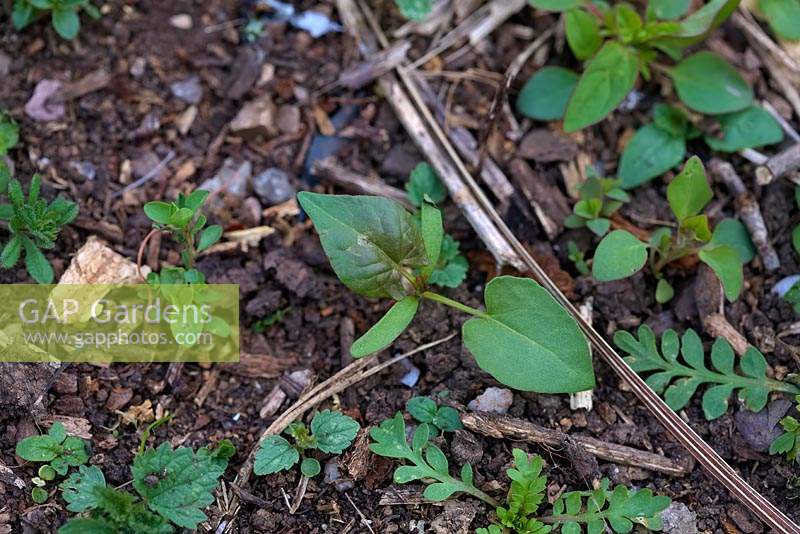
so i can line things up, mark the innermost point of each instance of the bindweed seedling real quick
(524, 338)
(63, 14)
(621, 254)
(331, 433)
(678, 380)
(426, 411)
(788, 443)
(601, 510)
(416, 10)
(34, 225)
(600, 199)
(173, 486)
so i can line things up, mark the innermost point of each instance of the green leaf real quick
(310, 467)
(671, 119)
(195, 199)
(706, 83)
(783, 17)
(440, 491)
(608, 78)
(423, 182)
(599, 226)
(159, 212)
(416, 10)
(749, 128)
(36, 263)
(74, 453)
(556, 5)
(432, 236)
(668, 9)
(209, 236)
(689, 192)
(651, 152)
(583, 33)
(644, 357)
(47, 473)
(39, 495)
(447, 419)
(334, 431)
(783, 443)
(422, 409)
(274, 454)
(387, 329)
(186, 481)
(733, 233)
(664, 291)
(545, 95)
(39, 448)
(9, 134)
(66, 22)
(619, 255)
(11, 252)
(80, 525)
(727, 264)
(796, 238)
(5, 177)
(22, 14)
(527, 341)
(699, 24)
(372, 242)
(79, 489)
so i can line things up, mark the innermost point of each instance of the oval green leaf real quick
(556, 5)
(527, 341)
(783, 17)
(608, 78)
(749, 128)
(727, 265)
(310, 467)
(707, 83)
(583, 33)
(209, 236)
(650, 153)
(689, 192)
(545, 95)
(619, 255)
(733, 233)
(387, 329)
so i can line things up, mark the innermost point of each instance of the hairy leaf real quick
(334, 431)
(678, 380)
(372, 242)
(545, 95)
(79, 489)
(527, 341)
(274, 454)
(608, 78)
(706, 83)
(619, 255)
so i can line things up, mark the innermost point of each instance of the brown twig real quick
(328, 169)
(507, 427)
(780, 165)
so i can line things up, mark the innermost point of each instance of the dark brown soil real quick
(288, 271)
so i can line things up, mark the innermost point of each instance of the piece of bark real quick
(547, 146)
(259, 365)
(97, 263)
(749, 210)
(94, 81)
(718, 326)
(506, 427)
(376, 66)
(547, 201)
(7, 476)
(245, 71)
(779, 165)
(328, 169)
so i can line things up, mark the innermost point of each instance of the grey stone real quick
(273, 186)
(496, 400)
(678, 519)
(188, 90)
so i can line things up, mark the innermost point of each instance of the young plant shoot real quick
(788, 443)
(524, 338)
(678, 381)
(63, 14)
(600, 199)
(621, 254)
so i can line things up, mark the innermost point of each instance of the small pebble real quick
(411, 378)
(343, 484)
(331, 471)
(678, 519)
(273, 186)
(85, 169)
(496, 400)
(137, 67)
(182, 21)
(785, 284)
(188, 90)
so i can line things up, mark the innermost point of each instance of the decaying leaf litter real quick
(252, 110)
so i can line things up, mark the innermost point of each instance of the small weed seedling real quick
(416, 10)
(261, 325)
(57, 451)
(620, 254)
(452, 267)
(34, 225)
(618, 44)
(172, 487)
(9, 135)
(600, 198)
(678, 381)
(425, 410)
(63, 14)
(378, 250)
(331, 432)
(788, 443)
(577, 257)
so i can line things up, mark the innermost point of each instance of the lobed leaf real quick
(334, 431)
(79, 489)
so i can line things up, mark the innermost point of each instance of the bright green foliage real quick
(331, 432)
(183, 219)
(617, 509)
(452, 267)
(9, 135)
(172, 485)
(34, 225)
(577, 256)
(526, 340)
(423, 182)
(63, 14)
(416, 10)
(783, 17)
(425, 460)
(600, 198)
(56, 447)
(733, 233)
(788, 443)
(620, 254)
(618, 44)
(706, 83)
(545, 95)
(377, 249)
(425, 410)
(39, 495)
(678, 379)
(751, 127)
